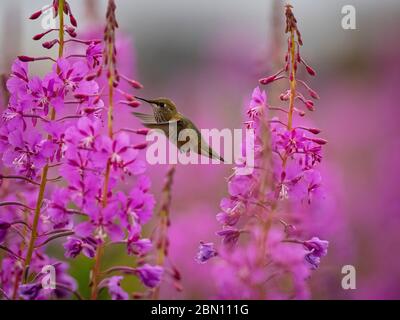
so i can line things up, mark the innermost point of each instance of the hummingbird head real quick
(162, 107)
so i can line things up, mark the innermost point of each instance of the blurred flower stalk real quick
(263, 254)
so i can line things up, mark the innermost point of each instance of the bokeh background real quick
(207, 56)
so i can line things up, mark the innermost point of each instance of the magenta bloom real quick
(139, 204)
(102, 222)
(74, 246)
(18, 81)
(150, 275)
(122, 155)
(114, 288)
(93, 54)
(317, 249)
(240, 185)
(70, 75)
(230, 236)
(27, 153)
(30, 291)
(232, 211)
(42, 94)
(84, 134)
(57, 210)
(206, 252)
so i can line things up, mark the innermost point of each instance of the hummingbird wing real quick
(149, 121)
(145, 118)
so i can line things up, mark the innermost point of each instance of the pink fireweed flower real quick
(27, 152)
(150, 275)
(114, 288)
(57, 209)
(317, 249)
(138, 246)
(70, 75)
(206, 252)
(102, 223)
(230, 236)
(85, 134)
(122, 155)
(74, 246)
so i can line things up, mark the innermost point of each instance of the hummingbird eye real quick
(162, 104)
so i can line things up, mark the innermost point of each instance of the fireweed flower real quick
(30, 291)
(114, 288)
(285, 178)
(206, 252)
(150, 275)
(57, 128)
(317, 249)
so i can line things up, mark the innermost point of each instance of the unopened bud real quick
(49, 44)
(267, 80)
(140, 146)
(133, 104)
(73, 20)
(143, 131)
(313, 94)
(310, 105)
(318, 141)
(314, 130)
(310, 71)
(91, 76)
(39, 36)
(135, 84)
(26, 58)
(36, 15)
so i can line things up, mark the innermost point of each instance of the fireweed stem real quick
(267, 180)
(45, 171)
(111, 75)
(18, 274)
(162, 244)
(292, 79)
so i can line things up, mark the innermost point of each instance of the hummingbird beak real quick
(143, 99)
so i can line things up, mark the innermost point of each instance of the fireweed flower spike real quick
(160, 234)
(255, 258)
(53, 130)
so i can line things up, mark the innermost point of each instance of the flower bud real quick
(267, 80)
(39, 36)
(140, 146)
(73, 20)
(133, 104)
(142, 131)
(26, 58)
(135, 84)
(314, 130)
(49, 44)
(310, 71)
(36, 15)
(313, 94)
(91, 76)
(309, 105)
(318, 141)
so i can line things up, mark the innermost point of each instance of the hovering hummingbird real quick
(164, 115)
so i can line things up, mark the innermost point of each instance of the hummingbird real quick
(166, 114)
